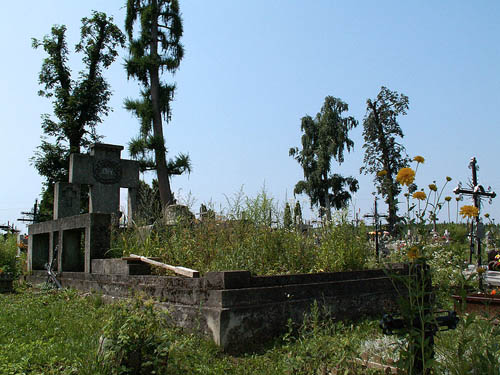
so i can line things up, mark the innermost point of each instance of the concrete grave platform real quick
(237, 309)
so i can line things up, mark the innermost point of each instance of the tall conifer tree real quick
(155, 48)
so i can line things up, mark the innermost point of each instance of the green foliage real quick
(382, 150)
(8, 253)
(135, 340)
(297, 214)
(325, 137)
(156, 49)
(148, 204)
(248, 241)
(287, 217)
(78, 104)
(49, 333)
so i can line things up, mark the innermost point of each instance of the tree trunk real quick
(160, 160)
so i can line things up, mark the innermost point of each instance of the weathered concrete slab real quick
(67, 234)
(236, 309)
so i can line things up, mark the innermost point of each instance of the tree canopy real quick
(384, 154)
(154, 49)
(79, 104)
(324, 138)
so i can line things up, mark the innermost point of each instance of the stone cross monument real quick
(106, 173)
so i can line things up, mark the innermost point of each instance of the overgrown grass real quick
(57, 332)
(243, 244)
(251, 236)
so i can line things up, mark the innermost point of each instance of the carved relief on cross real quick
(106, 173)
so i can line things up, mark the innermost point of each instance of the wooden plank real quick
(176, 269)
(135, 259)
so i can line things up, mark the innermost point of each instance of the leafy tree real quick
(78, 104)
(155, 49)
(325, 137)
(384, 154)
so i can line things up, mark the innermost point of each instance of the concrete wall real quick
(237, 309)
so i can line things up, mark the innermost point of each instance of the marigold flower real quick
(419, 159)
(433, 187)
(493, 292)
(381, 173)
(405, 176)
(413, 253)
(447, 198)
(469, 211)
(448, 178)
(420, 195)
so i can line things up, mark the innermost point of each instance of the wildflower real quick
(413, 253)
(448, 178)
(447, 199)
(458, 198)
(433, 187)
(486, 215)
(493, 292)
(469, 211)
(381, 173)
(420, 195)
(405, 176)
(406, 195)
(419, 159)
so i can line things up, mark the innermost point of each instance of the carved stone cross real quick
(106, 173)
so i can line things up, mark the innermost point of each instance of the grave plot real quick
(234, 308)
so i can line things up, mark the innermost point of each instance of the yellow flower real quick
(486, 215)
(419, 159)
(447, 199)
(433, 187)
(469, 211)
(448, 178)
(381, 173)
(420, 195)
(413, 253)
(405, 176)
(458, 199)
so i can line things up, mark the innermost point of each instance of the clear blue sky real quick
(253, 69)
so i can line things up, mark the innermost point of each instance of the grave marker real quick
(106, 173)
(477, 192)
(376, 216)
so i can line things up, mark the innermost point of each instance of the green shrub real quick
(135, 340)
(8, 253)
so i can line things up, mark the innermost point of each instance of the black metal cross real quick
(420, 324)
(376, 216)
(477, 192)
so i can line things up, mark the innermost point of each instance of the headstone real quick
(176, 213)
(66, 199)
(106, 173)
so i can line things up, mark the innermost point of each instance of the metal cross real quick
(477, 192)
(375, 217)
